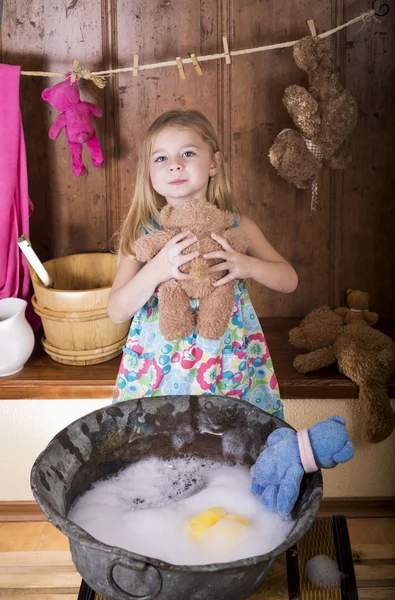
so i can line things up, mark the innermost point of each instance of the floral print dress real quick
(237, 365)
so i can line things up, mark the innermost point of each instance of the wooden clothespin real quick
(196, 64)
(226, 49)
(311, 26)
(135, 64)
(180, 68)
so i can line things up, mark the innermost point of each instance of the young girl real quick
(180, 161)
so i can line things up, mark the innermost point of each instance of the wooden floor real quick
(35, 563)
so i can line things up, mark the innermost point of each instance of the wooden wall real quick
(348, 242)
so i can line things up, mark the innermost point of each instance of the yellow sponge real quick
(201, 523)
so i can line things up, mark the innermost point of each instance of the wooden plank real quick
(21, 510)
(32, 594)
(111, 148)
(53, 391)
(371, 531)
(52, 539)
(374, 572)
(336, 176)
(36, 569)
(363, 552)
(361, 508)
(43, 378)
(380, 593)
(368, 219)
(20, 536)
(36, 559)
(55, 580)
(15, 594)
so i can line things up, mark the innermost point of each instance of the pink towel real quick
(15, 204)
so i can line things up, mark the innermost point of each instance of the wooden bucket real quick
(77, 328)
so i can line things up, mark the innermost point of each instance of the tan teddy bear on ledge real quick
(365, 355)
(176, 317)
(357, 309)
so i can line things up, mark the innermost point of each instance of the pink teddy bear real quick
(75, 117)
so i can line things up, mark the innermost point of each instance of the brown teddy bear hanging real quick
(357, 309)
(176, 317)
(363, 354)
(325, 115)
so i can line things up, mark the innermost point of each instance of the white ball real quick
(323, 571)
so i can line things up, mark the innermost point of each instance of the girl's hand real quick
(167, 261)
(237, 264)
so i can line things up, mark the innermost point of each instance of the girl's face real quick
(181, 164)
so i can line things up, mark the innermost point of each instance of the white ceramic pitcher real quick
(16, 336)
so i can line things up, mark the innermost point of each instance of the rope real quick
(99, 77)
(78, 73)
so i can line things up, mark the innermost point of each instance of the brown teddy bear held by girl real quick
(365, 355)
(325, 115)
(176, 317)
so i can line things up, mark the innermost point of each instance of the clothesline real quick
(99, 77)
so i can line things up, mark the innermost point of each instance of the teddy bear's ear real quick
(349, 292)
(46, 94)
(337, 419)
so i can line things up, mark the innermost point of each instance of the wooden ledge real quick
(43, 378)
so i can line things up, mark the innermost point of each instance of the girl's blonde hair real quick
(146, 203)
